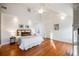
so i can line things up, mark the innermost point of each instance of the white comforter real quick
(30, 41)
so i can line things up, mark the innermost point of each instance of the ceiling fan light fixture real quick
(63, 16)
(41, 11)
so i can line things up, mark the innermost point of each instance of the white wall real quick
(7, 26)
(10, 23)
(66, 29)
(48, 20)
(65, 26)
(10, 18)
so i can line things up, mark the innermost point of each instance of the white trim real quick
(5, 43)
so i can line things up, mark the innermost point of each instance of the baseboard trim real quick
(44, 38)
(4, 43)
(60, 41)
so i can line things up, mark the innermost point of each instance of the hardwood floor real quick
(46, 48)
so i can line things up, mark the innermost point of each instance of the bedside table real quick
(12, 40)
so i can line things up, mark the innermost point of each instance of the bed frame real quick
(23, 32)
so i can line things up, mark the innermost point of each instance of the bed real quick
(28, 41)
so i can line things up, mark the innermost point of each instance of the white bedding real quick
(30, 41)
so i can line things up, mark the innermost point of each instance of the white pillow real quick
(32, 31)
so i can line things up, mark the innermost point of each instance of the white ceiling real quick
(66, 8)
(49, 7)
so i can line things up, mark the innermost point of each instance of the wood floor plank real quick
(44, 49)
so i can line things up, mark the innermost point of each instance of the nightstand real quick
(12, 40)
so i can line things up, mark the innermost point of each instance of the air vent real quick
(3, 7)
(29, 10)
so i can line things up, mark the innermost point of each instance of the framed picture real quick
(26, 26)
(56, 26)
(21, 26)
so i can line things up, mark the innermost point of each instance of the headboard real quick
(23, 32)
